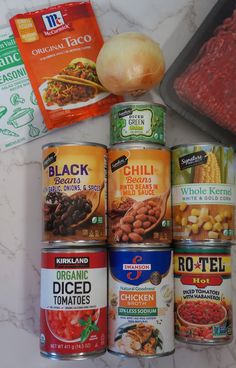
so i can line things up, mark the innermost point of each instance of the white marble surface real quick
(171, 22)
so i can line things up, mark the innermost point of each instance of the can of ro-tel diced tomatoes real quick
(138, 121)
(139, 203)
(141, 302)
(73, 306)
(203, 307)
(203, 193)
(74, 192)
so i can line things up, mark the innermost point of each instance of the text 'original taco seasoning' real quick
(73, 314)
(203, 308)
(74, 192)
(203, 193)
(139, 208)
(59, 46)
(140, 306)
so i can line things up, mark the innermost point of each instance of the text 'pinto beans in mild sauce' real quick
(139, 206)
(74, 186)
(140, 306)
(73, 314)
(203, 193)
(203, 307)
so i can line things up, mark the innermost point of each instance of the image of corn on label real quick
(203, 192)
(203, 307)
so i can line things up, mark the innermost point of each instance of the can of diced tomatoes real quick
(139, 201)
(138, 121)
(73, 303)
(203, 193)
(74, 192)
(203, 306)
(141, 302)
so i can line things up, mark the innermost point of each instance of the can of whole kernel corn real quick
(74, 192)
(73, 303)
(141, 301)
(139, 201)
(203, 193)
(203, 306)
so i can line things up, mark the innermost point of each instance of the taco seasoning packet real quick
(59, 46)
(20, 117)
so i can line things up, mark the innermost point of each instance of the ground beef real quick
(209, 83)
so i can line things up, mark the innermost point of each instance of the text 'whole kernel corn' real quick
(203, 193)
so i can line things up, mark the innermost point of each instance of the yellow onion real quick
(130, 63)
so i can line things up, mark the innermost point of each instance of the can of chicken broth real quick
(141, 302)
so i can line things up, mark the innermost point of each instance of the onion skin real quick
(130, 64)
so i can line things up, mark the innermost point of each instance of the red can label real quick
(73, 302)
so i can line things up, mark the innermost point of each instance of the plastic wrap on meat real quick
(209, 83)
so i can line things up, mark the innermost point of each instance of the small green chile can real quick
(138, 121)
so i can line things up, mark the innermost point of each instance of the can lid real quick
(56, 144)
(213, 144)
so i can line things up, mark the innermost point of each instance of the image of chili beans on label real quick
(74, 186)
(73, 302)
(139, 204)
(141, 298)
(203, 308)
(203, 193)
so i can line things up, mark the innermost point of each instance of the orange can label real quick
(139, 208)
(74, 186)
(59, 46)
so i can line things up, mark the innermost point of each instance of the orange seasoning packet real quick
(59, 46)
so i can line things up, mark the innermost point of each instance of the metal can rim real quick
(138, 145)
(127, 103)
(56, 144)
(137, 248)
(215, 144)
(75, 250)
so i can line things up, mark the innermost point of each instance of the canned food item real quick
(138, 121)
(203, 308)
(141, 298)
(73, 307)
(203, 193)
(139, 205)
(74, 192)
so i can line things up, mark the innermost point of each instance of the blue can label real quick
(141, 302)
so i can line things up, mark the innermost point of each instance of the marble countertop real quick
(171, 23)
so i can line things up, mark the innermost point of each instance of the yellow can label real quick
(74, 186)
(139, 208)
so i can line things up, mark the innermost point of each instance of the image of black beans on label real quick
(60, 218)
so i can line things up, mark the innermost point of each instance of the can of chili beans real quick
(203, 193)
(139, 201)
(138, 121)
(73, 307)
(141, 302)
(203, 307)
(74, 192)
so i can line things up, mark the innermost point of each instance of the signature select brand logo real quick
(137, 267)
